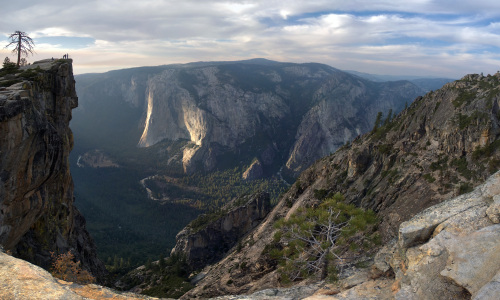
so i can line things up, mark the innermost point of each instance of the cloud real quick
(374, 36)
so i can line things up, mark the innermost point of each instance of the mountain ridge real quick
(442, 145)
(271, 86)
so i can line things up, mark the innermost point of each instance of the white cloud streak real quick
(421, 37)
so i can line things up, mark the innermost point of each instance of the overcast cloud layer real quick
(414, 37)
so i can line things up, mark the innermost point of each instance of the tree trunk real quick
(19, 49)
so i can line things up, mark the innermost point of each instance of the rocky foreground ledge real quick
(21, 280)
(448, 251)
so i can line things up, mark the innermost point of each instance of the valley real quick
(250, 150)
(359, 218)
(197, 132)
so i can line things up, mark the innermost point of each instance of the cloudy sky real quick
(413, 37)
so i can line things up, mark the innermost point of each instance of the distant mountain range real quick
(425, 83)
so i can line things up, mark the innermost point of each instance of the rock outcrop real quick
(451, 250)
(254, 171)
(37, 214)
(22, 280)
(208, 238)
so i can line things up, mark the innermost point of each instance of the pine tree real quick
(378, 120)
(148, 264)
(23, 44)
(162, 262)
(389, 117)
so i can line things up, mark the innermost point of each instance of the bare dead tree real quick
(311, 236)
(23, 44)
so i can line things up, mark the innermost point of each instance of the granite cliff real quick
(284, 114)
(37, 214)
(443, 145)
(208, 238)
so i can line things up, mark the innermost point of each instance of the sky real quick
(446, 38)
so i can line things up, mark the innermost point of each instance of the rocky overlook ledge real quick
(37, 214)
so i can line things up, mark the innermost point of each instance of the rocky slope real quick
(37, 214)
(208, 238)
(443, 145)
(282, 113)
(448, 251)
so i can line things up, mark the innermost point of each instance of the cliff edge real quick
(37, 215)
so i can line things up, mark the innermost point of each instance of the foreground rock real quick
(37, 214)
(456, 251)
(22, 280)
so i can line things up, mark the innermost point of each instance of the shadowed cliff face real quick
(206, 242)
(36, 189)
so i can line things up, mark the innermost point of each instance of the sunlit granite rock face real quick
(37, 214)
(299, 111)
(23, 280)
(209, 105)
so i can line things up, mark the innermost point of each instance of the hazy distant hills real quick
(425, 83)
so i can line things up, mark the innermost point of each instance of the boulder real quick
(420, 228)
(493, 211)
(491, 290)
(474, 259)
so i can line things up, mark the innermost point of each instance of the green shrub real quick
(486, 151)
(464, 97)
(320, 194)
(465, 188)
(312, 236)
(462, 167)
(428, 177)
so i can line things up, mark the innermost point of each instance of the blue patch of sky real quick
(470, 20)
(417, 40)
(438, 44)
(69, 42)
(484, 49)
